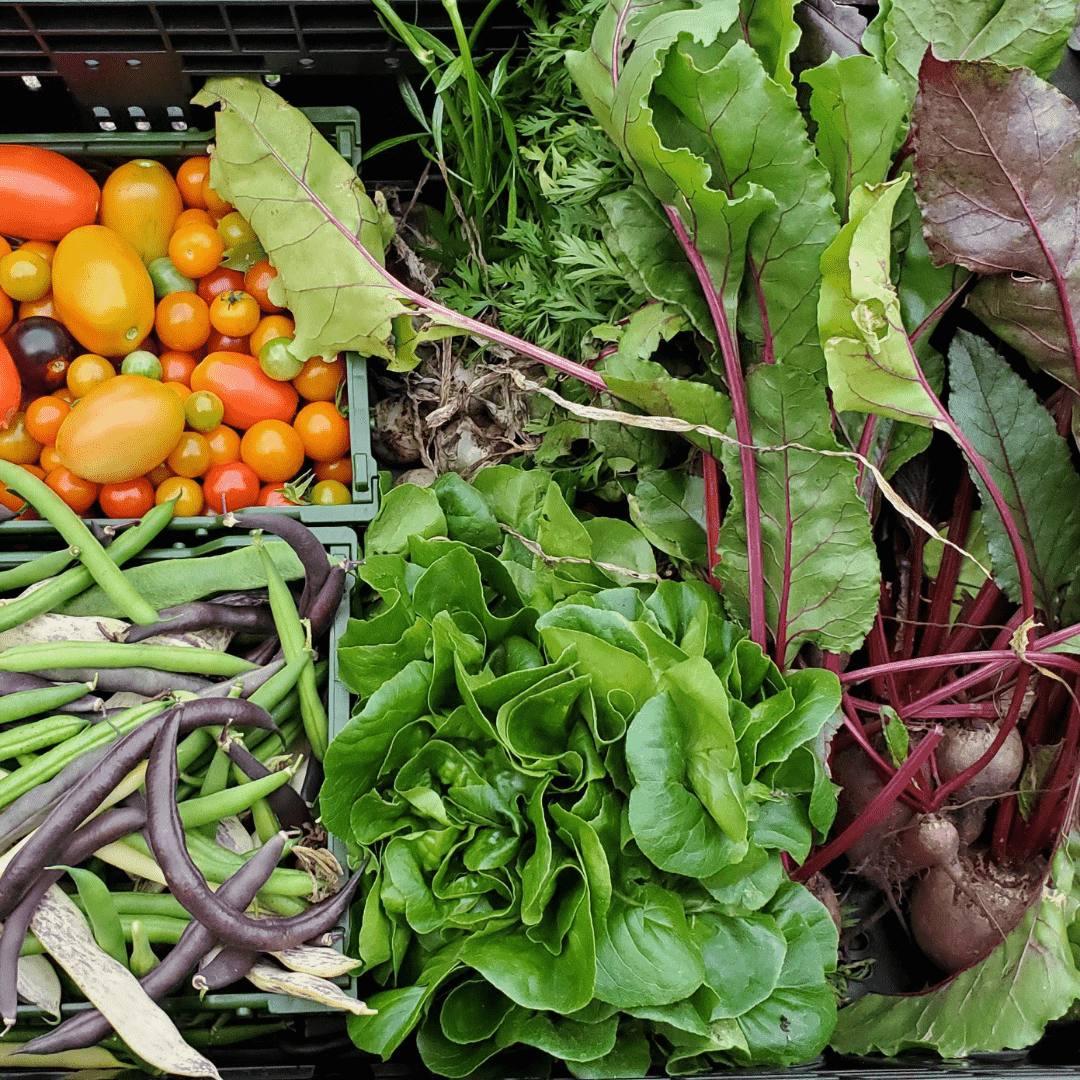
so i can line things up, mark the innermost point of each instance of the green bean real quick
(39, 733)
(138, 904)
(34, 570)
(291, 633)
(158, 928)
(113, 654)
(101, 912)
(48, 699)
(52, 761)
(216, 779)
(25, 759)
(278, 686)
(266, 825)
(234, 800)
(270, 748)
(76, 580)
(73, 529)
(143, 960)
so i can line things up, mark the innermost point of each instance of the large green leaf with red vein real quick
(821, 570)
(999, 189)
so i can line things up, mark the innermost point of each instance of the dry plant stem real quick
(743, 429)
(873, 812)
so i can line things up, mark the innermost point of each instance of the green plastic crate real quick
(341, 126)
(339, 542)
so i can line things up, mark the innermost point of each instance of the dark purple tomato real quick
(42, 349)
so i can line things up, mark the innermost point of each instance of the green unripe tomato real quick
(277, 362)
(141, 362)
(203, 411)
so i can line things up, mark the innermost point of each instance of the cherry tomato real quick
(330, 493)
(270, 328)
(182, 321)
(204, 411)
(189, 179)
(42, 350)
(257, 282)
(195, 249)
(234, 313)
(274, 495)
(179, 389)
(217, 206)
(25, 275)
(340, 470)
(177, 366)
(220, 280)
(167, 279)
(273, 450)
(230, 487)
(277, 362)
(320, 379)
(78, 493)
(15, 502)
(7, 311)
(190, 502)
(44, 416)
(188, 217)
(323, 431)
(130, 499)
(5, 247)
(143, 363)
(50, 459)
(224, 445)
(88, 371)
(44, 308)
(17, 444)
(191, 456)
(223, 343)
(64, 394)
(159, 475)
(40, 247)
(235, 230)
(247, 394)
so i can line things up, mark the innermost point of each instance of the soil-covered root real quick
(960, 914)
(820, 886)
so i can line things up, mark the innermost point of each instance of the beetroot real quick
(961, 747)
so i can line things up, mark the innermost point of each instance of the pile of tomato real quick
(135, 366)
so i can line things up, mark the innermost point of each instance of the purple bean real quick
(42, 848)
(28, 811)
(247, 598)
(200, 614)
(7, 514)
(292, 812)
(313, 778)
(88, 1028)
(146, 681)
(308, 547)
(324, 607)
(265, 652)
(229, 966)
(249, 682)
(188, 885)
(106, 829)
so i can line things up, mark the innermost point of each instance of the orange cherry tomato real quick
(64, 394)
(320, 379)
(130, 499)
(273, 449)
(7, 311)
(182, 391)
(223, 343)
(247, 394)
(257, 282)
(45, 306)
(191, 457)
(220, 280)
(159, 475)
(44, 195)
(24, 275)
(340, 470)
(224, 445)
(274, 495)
(217, 206)
(189, 217)
(189, 179)
(177, 366)
(330, 493)
(17, 445)
(190, 502)
(234, 313)
(195, 249)
(86, 372)
(40, 247)
(78, 493)
(44, 416)
(182, 321)
(323, 431)
(231, 486)
(5, 247)
(270, 327)
(50, 459)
